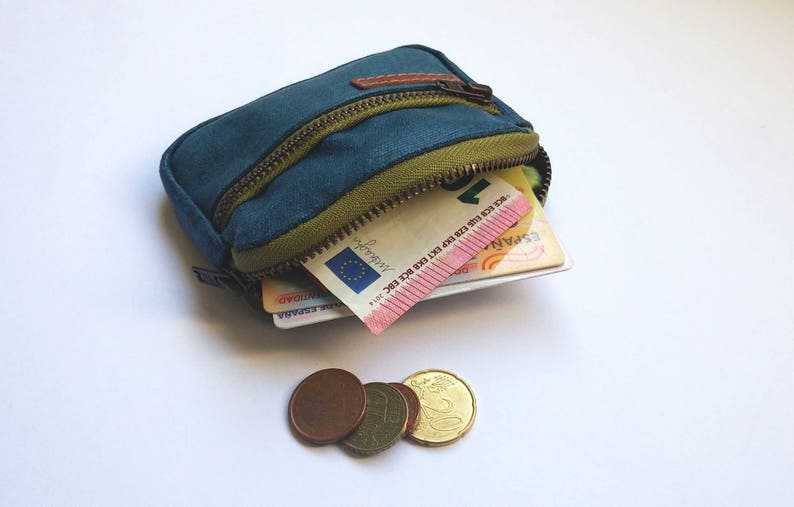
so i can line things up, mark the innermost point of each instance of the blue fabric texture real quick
(345, 159)
(204, 162)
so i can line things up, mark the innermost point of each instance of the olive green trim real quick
(533, 177)
(298, 145)
(381, 188)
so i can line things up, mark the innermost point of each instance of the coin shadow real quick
(244, 328)
(334, 447)
(305, 443)
(364, 458)
(404, 444)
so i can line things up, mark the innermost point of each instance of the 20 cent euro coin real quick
(447, 407)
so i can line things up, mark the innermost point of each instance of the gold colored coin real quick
(384, 420)
(447, 407)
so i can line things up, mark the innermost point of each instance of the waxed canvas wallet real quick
(264, 185)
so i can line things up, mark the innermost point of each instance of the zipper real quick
(479, 93)
(542, 159)
(226, 279)
(248, 283)
(303, 140)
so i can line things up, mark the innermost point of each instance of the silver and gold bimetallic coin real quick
(384, 420)
(447, 407)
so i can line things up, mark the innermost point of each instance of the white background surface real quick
(660, 371)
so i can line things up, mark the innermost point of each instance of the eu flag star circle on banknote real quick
(352, 270)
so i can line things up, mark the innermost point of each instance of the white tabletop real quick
(659, 371)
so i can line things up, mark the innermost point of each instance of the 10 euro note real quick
(529, 245)
(390, 264)
(529, 248)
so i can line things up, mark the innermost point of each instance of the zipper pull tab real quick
(222, 280)
(479, 93)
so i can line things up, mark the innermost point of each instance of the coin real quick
(411, 400)
(384, 421)
(327, 406)
(447, 407)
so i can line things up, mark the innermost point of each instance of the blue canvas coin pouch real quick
(265, 185)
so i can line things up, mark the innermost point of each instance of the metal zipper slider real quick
(479, 93)
(225, 280)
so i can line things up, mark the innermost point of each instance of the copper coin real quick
(413, 403)
(327, 406)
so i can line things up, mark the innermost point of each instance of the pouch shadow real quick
(243, 327)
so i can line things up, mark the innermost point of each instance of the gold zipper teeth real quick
(398, 199)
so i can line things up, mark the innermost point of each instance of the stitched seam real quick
(400, 74)
(409, 80)
(400, 78)
(406, 78)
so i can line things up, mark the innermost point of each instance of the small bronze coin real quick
(327, 406)
(384, 421)
(413, 403)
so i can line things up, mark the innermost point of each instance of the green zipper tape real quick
(420, 172)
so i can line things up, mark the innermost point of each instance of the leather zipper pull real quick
(480, 93)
